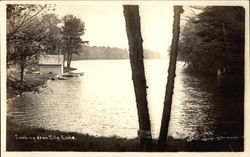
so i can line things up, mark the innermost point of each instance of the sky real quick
(105, 24)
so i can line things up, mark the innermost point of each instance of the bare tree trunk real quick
(171, 76)
(64, 57)
(133, 29)
(21, 77)
(22, 67)
(68, 58)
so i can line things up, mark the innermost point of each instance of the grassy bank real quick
(37, 139)
(21, 138)
(32, 79)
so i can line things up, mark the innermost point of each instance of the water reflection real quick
(102, 102)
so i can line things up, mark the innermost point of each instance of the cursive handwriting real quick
(46, 138)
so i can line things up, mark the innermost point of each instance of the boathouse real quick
(51, 64)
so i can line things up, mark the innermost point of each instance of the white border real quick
(246, 153)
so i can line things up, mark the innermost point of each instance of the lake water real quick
(102, 102)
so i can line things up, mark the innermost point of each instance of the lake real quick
(102, 102)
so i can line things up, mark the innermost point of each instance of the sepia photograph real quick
(117, 76)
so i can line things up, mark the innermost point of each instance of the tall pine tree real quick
(72, 31)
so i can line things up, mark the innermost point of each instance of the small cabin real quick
(51, 64)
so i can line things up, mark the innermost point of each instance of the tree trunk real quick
(21, 77)
(64, 57)
(22, 67)
(133, 29)
(171, 76)
(68, 58)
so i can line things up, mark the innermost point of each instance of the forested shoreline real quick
(105, 52)
(210, 43)
(213, 40)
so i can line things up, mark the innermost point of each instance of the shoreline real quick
(21, 138)
(32, 82)
(28, 86)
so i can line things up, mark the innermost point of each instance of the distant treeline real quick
(102, 52)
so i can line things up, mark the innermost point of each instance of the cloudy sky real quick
(105, 23)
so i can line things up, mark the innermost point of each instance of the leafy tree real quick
(20, 14)
(218, 33)
(27, 44)
(52, 42)
(72, 31)
(24, 33)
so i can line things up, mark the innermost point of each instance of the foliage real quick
(102, 52)
(72, 31)
(96, 52)
(27, 41)
(214, 39)
(150, 54)
(28, 44)
(20, 14)
(52, 43)
(25, 33)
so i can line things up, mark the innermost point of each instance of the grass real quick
(30, 83)
(81, 142)
(21, 138)
(31, 80)
(37, 139)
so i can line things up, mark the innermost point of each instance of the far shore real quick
(21, 138)
(117, 59)
(33, 81)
